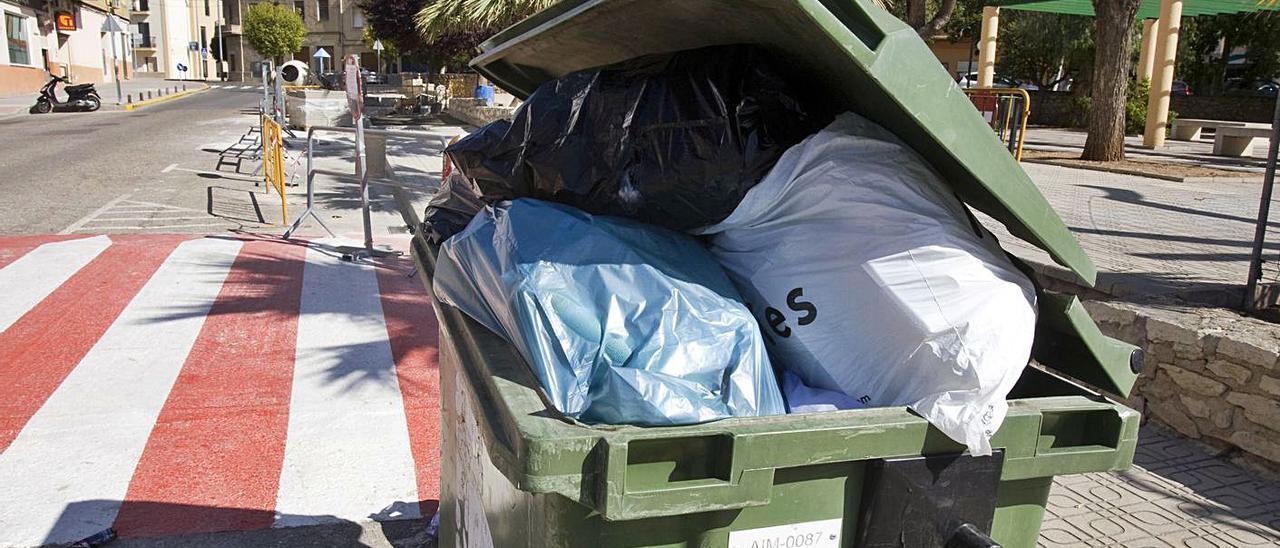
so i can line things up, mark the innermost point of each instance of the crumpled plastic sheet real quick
(621, 323)
(672, 139)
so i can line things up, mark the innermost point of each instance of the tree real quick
(917, 14)
(1112, 58)
(386, 21)
(1045, 48)
(1206, 43)
(459, 18)
(274, 31)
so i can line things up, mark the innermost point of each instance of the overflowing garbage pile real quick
(641, 231)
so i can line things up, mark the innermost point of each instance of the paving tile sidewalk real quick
(1154, 238)
(1177, 494)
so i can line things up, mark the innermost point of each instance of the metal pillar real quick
(987, 46)
(1162, 81)
(1264, 210)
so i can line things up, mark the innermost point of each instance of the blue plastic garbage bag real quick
(622, 322)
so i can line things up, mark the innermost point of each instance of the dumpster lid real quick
(863, 58)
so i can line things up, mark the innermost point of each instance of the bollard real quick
(128, 98)
(148, 94)
(184, 87)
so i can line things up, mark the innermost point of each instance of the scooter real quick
(82, 97)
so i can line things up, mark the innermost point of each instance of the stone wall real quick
(1211, 374)
(473, 111)
(1053, 108)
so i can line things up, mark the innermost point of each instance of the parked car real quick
(1180, 88)
(1239, 87)
(971, 80)
(371, 77)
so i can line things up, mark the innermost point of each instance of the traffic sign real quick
(321, 54)
(352, 70)
(111, 25)
(182, 67)
(377, 45)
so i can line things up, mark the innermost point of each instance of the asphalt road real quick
(151, 169)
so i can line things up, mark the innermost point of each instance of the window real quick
(357, 19)
(141, 5)
(300, 6)
(206, 8)
(16, 36)
(322, 10)
(145, 39)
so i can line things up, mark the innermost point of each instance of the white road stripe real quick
(155, 227)
(80, 222)
(347, 452)
(32, 277)
(65, 474)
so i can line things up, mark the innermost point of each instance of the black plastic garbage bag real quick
(451, 208)
(672, 139)
(457, 200)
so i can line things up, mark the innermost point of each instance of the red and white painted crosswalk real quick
(168, 385)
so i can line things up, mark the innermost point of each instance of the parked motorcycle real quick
(82, 97)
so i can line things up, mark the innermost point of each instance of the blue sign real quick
(182, 67)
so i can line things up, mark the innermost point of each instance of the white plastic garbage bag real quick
(868, 277)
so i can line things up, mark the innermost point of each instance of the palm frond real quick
(443, 17)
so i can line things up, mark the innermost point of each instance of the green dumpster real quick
(516, 473)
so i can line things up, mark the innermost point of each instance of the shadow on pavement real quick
(147, 524)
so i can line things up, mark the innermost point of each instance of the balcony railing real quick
(143, 41)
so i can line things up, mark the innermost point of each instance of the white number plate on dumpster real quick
(810, 534)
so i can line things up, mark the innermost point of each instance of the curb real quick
(157, 100)
(1138, 173)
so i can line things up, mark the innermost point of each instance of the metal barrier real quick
(273, 161)
(361, 175)
(1007, 110)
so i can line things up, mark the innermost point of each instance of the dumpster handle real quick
(741, 489)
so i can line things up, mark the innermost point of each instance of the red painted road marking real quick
(414, 336)
(213, 461)
(13, 247)
(39, 350)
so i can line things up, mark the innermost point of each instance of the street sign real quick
(321, 54)
(204, 53)
(377, 45)
(111, 25)
(65, 21)
(351, 68)
(193, 46)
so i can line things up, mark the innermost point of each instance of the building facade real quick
(62, 37)
(173, 39)
(335, 25)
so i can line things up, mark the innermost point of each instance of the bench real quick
(1188, 129)
(1238, 141)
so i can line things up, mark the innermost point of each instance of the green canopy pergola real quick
(1159, 42)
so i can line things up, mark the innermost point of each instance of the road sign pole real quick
(112, 27)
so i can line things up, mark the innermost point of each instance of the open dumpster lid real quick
(851, 51)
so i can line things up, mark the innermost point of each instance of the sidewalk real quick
(138, 87)
(1154, 238)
